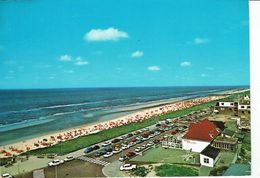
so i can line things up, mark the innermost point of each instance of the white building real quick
(209, 156)
(199, 135)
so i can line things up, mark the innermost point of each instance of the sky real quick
(130, 43)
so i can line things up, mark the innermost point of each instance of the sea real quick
(29, 113)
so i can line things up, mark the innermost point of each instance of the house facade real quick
(172, 141)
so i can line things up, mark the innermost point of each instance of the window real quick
(242, 106)
(231, 104)
(206, 160)
(222, 103)
(248, 107)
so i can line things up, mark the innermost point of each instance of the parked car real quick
(107, 143)
(132, 144)
(7, 175)
(130, 154)
(127, 167)
(108, 149)
(55, 162)
(139, 141)
(130, 135)
(108, 154)
(138, 149)
(100, 153)
(96, 147)
(123, 158)
(117, 150)
(88, 150)
(143, 147)
(125, 147)
(115, 140)
(68, 158)
(158, 125)
(150, 144)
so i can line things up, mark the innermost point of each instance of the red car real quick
(130, 154)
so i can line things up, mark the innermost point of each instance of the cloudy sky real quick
(57, 44)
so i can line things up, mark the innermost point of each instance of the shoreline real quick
(127, 110)
(87, 129)
(56, 137)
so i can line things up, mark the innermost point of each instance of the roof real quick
(210, 151)
(228, 132)
(226, 139)
(202, 131)
(238, 170)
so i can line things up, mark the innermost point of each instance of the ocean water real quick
(28, 113)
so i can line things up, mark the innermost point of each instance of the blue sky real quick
(57, 44)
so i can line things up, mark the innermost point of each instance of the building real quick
(172, 141)
(199, 135)
(230, 108)
(244, 109)
(225, 143)
(241, 108)
(209, 156)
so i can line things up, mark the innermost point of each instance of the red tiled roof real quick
(203, 131)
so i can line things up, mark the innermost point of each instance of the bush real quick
(140, 172)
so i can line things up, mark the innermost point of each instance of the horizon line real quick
(124, 87)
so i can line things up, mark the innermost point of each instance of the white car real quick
(7, 175)
(143, 147)
(127, 167)
(125, 147)
(55, 162)
(138, 149)
(108, 154)
(106, 143)
(150, 144)
(68, 158)
(117, 151)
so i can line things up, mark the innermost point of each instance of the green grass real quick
(162, 155)
(82, 142)
(170, 170)
(204, 171)
(226, 158)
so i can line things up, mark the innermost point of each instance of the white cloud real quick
(80, 62)
(203, 75)
(109, 34)
(137, 54)
(65, 57)
(185, 64)
(199, 40)
(77, 61)
(154, 68)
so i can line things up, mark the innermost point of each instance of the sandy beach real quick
(72, 133)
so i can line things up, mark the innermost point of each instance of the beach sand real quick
(72, 133)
